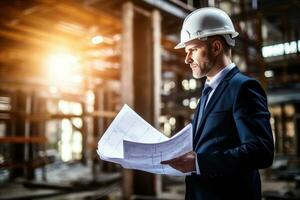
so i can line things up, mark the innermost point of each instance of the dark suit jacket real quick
(233, 141)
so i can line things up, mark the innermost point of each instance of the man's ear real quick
(217, 47)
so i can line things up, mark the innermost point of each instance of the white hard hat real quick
(206, 22)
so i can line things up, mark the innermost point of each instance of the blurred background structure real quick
(68, 66)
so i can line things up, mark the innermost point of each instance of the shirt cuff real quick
(197, 166)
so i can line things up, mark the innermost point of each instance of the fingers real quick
(167, 162)
(181, 158)
(184, 163)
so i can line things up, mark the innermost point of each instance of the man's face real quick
(199, 57)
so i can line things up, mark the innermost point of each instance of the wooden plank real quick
(18, 129)
(127, 81)
(141, 77)
(48, 116)
(169, 46)
(157, 69)
(21, 165)
(88, 15)
(178, 111)
(157, 82)
(84, 133)
(127, 55)
(260, 58)
(25, 139)
(107, 114)
(143, 183)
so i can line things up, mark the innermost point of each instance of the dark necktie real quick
(203, 100)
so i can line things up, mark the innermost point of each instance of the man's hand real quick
(185, 163)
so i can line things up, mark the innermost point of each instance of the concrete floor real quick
(73, 182)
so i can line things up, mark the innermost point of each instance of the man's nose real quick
(188, 59)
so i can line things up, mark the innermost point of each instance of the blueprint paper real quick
(149, 156)
(133, 143)
(130, 126)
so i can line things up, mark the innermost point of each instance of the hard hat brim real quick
(180, 45)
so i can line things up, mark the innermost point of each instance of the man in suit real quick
(231, 129)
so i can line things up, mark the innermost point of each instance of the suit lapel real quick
(195, 119)
(213, 100)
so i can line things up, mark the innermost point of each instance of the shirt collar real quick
(214, 82)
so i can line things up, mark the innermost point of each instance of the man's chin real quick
(198, 76)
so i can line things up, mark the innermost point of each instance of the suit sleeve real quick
(256, 148)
